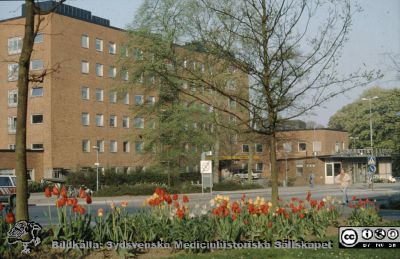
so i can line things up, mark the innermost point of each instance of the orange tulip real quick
(47, 192)
(55, 191)
(10, 218)
(61, 202)
(124, 204)
(82, 194)
(64, 192)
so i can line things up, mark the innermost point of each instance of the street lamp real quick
(97, 166)
(370, 114)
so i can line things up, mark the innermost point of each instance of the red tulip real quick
(234, 216)
(269, 224)
(82, 194)
(1, 206)
(89, 199)
(180, 213)
(175, 197)
(10, 218)
(61, 202)
(55, 191)
(64, 192)
(185, 199)
(47, 192)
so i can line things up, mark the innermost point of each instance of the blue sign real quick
(371, 160)
(372, 168)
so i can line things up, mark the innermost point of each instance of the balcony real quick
(380, 152)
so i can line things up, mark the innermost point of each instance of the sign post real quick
(206, 175)
(371, 170)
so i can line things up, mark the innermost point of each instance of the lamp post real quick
(370, 115)
(97, 166)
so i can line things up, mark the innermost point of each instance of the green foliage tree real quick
(291, 67)
(385, 111)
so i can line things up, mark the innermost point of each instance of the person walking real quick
(311, 178)
(344, 180)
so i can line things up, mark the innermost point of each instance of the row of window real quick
(14, 68)
(15, 43)
(112, 47)
(99, 95)
(258, 147)
(12, 122)
(113, 146)
(113, 121)
(36, 91)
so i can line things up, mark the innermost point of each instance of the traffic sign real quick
(371, 160)
(372, 168)
(206, 166)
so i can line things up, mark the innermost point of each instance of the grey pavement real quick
(382, 193)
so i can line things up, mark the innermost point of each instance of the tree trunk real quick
(250, 164)
(274, 171)
(216, 152)
(23, 83)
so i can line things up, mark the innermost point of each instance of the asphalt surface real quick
(382, 193)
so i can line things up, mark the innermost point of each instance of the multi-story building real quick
(76, 118)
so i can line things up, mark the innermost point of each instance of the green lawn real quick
(335, 252)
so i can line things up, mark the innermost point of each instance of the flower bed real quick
(171, 217)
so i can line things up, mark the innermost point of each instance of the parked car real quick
(243, 174)
(8, 189)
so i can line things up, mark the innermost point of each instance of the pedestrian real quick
(344, 180)
(311, 178)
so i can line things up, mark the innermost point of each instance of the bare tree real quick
(32, 10)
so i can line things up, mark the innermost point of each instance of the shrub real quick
(365, 213)
(36, 187)
(126, 189)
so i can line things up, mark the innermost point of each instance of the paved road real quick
(382, 192)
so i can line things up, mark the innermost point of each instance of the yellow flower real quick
(269, 204)
(100, 212)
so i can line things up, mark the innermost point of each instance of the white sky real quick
(375, 34)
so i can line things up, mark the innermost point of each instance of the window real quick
(84, 93)
(259, 167)
(11, 146)
(85, 41)
(85, 119)
(232, 119)
(13, 98)
(99, 45)
(287, 147)
(185, 63)
(5, 182)
(86, 145)
(299, 168)
(37, 118)
(99, 120)
(138, 99)
(125, 122)
(139, 146)
(99, 69)
(99, 95)
(113, 146)
(233, 139)
(124, 51)
(125, 100)
(125, 75)
(125, 147)
(151, 100)
(36, 64)
(317, 146)
(113, 97)
(112, 72)
(37, 147)
(185, 85)
(38, 38)
(232, 103)
(85, 67)
(152, 124)
(259, 148)
(12, 124)
(112, 47)
(231, 84)
(37, 91)
(139, 123)
(193, 88)
(113, 121)
(245, 148)
(100, 145)
(138, 54)
(13, 72)
(302, 146)
(14, 45)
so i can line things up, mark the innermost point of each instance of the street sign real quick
(372, 168)
(371, 160)
(205, 166)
